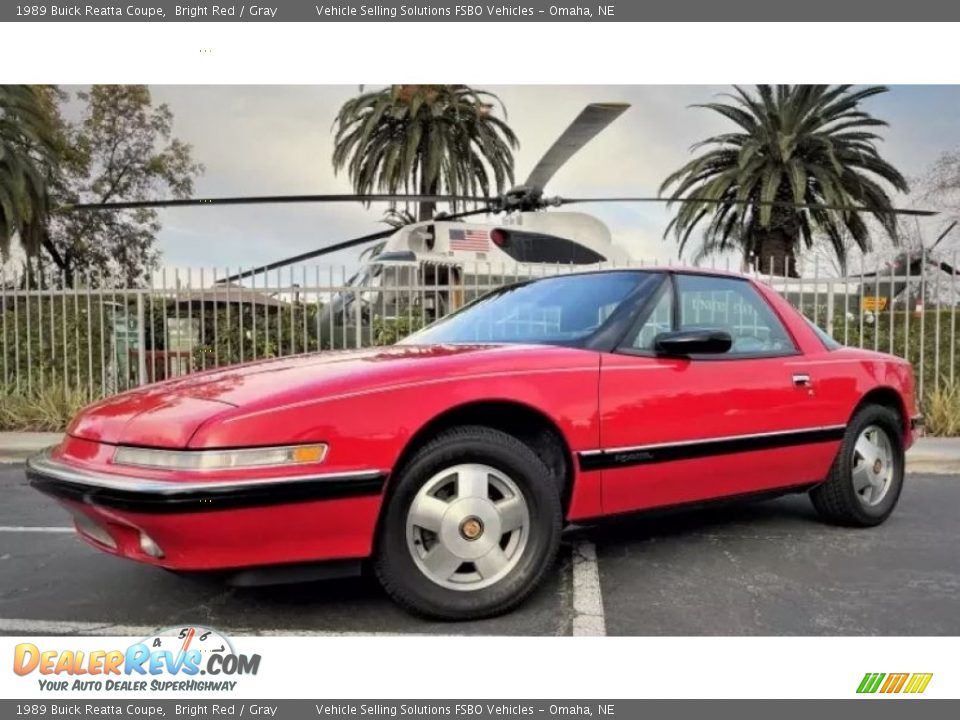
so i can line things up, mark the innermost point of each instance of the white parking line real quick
(29, 529)
(588, 618)
(588, 615)
(19, 626)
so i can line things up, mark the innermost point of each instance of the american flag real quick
(470, 240)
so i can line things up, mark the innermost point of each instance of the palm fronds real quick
(426, 139)
(804, 144)
(26, 146)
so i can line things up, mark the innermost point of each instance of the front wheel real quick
(471, 526)
(867, 476)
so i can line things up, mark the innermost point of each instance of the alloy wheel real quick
(467, 527)
(873, 467)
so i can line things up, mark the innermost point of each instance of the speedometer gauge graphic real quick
(190, 637)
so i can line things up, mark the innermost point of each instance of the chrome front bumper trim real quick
(134, 494)
(43, 464)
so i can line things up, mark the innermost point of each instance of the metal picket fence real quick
(100, 340)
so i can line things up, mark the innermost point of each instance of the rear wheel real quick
(471, 527)
(867, 476)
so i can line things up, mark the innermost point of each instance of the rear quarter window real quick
(828, 342)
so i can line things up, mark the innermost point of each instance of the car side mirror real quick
(692, 342)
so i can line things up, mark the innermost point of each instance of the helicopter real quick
(882, 288)
(453, 259)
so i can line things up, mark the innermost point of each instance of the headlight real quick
(220, 459)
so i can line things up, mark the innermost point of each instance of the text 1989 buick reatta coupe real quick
(454, 458)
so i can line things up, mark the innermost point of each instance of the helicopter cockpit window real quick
(557, 310)
(528, 247)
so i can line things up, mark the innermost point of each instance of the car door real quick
(684, 429)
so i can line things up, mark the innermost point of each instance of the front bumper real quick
(129, 493)
(217, 524)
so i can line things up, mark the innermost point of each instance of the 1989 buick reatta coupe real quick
(453, 459)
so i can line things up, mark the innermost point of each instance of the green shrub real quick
(387, 331)
(907, 341)
(53, 340)
(250, 333)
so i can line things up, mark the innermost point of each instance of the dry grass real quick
(44, 409)
(941, 411)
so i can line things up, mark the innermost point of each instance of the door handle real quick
(801, 380)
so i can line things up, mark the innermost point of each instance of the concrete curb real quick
(928, 455)
(18, 446)
(935, 455)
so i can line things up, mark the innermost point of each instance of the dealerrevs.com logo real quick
(890, 683)
(176, 659)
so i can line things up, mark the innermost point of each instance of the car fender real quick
(369, 429)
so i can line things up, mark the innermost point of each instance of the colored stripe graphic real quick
(870, 682)
(892, 683)
(918, 682)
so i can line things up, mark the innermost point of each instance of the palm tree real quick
(26, 148)
(426, 139)
(803, 144)
(392, 218)
(395, 218)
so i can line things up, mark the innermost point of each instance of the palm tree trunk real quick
(776, 253)
(427, 209)
(63, 264)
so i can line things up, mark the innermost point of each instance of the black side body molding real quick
(641, 455)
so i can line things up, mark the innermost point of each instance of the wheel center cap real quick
(877, 466)
(471, 528)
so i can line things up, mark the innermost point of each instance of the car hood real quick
(167, 414)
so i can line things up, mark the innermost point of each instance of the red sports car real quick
(454, 459)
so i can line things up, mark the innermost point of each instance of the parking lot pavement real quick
(53, 577)
(767, 568)
(774, 569)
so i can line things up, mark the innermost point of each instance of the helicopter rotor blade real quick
(948, 268)
(591, 120)
(273, 199)
(446, 217)
(344, 245)
(942, 235)
(311, 254)
(908, 268)
(721, 201)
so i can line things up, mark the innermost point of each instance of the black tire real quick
(394, 564)
(836, 500)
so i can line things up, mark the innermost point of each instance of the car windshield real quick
(557, 310)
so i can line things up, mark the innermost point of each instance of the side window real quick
(735, 306)
(659, 321)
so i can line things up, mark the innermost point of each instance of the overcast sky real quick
(270, 140)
